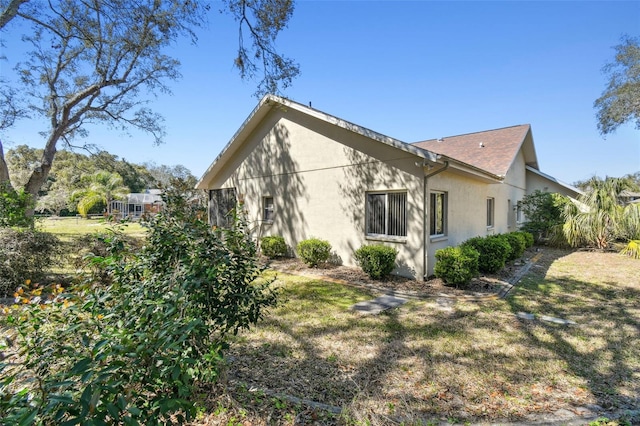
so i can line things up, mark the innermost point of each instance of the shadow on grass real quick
(602, 347)
(465, 362)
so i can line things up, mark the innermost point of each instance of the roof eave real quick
(268, 102)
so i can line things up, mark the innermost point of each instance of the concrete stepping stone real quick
(379, 304)
(547, 318)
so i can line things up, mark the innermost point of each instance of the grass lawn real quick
(435, 361)
(68, 227)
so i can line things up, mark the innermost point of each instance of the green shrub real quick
(314, 251)
(25, 254)
(376, 260)
(493, 251)
(273, 246)
(134, 351)
(457, 265)
(518, 244)
(13, 207)
(528, 238)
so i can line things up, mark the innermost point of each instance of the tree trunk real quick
(39, 175)
(4, 170)
(10, 12)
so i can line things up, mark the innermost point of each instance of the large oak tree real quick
(95, 61)
(620, 101)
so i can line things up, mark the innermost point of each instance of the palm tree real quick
(598, 218)
(102, 187)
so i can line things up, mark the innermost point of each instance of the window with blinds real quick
(387, 214)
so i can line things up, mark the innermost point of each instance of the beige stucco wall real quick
(318, 176)
(467, 205)
(537, 182)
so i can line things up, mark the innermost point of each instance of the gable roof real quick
(487, 155)
(270, 102)
(493, 150)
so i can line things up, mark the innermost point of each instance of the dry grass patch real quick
(425, 361)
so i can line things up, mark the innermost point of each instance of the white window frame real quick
(433, 220)
(400, 233)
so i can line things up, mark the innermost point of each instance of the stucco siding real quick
(318, 177)
(467, 206)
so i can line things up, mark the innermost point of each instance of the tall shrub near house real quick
(376, 260)
(133, 351)
(544, 215)
(493, 250)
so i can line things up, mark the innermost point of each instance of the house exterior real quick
(302, 173)
(137, 204)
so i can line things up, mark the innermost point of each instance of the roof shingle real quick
(491, 150)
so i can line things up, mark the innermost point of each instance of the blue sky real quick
(413, 71)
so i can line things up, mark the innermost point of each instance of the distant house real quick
(629, 197)
(303, 173)
(137, 205)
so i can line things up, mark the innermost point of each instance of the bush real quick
(314, 251)
(377, 260)
(25, 254)
(518, 244)
(493, 251)
(13, 207)
(273, 246)
(528, 238)
(457, 265)
(135, 351)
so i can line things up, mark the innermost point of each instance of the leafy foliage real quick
(13, 207)
(273, 246)
(376, 260)
(25, 254)
(457, 265)
(620, 102)
(543, 211)
(518, 244)
(493, 250)
(599, 218)
(314, 251)
(102, 187)
(134, 351)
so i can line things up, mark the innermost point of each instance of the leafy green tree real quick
(135, 350)
(103, 187)
(543, 213)
(97, 62)
(13, 205)
(620, 102)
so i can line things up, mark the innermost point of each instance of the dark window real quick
(387, 214)
(490, 212)
(268, 209)
(222, 203)
(438, 213)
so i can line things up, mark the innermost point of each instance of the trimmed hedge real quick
(493, 250)
(457, 265)
(528, 238)
(518, 244)
(376, 260)
(273, 246)
(314, 251)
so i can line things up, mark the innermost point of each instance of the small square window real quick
(267, 214)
